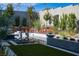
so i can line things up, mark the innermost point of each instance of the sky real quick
(37, 6)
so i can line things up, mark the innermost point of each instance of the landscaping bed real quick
(37, 50)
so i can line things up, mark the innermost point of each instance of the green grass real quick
(37, 50)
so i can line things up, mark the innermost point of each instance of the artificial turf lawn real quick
(37, 50)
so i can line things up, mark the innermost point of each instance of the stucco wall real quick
(60, 11)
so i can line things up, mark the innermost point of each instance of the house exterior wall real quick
(60, 11)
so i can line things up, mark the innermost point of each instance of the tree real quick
(3, 28)
(1, 9)
(77, 25)
(9, 13)
(17, 21)
(18, 24)
(5, 22)
(71, 22)
(47, 17)
(36, 24)
(10, 10)
(24, 22)
(63, 22)
(3, 34)
(47, 14)
(32, 15)
(56, 21)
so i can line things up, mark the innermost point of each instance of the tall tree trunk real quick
(20, 33)
(27, 34)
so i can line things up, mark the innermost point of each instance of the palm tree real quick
(32, 15)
